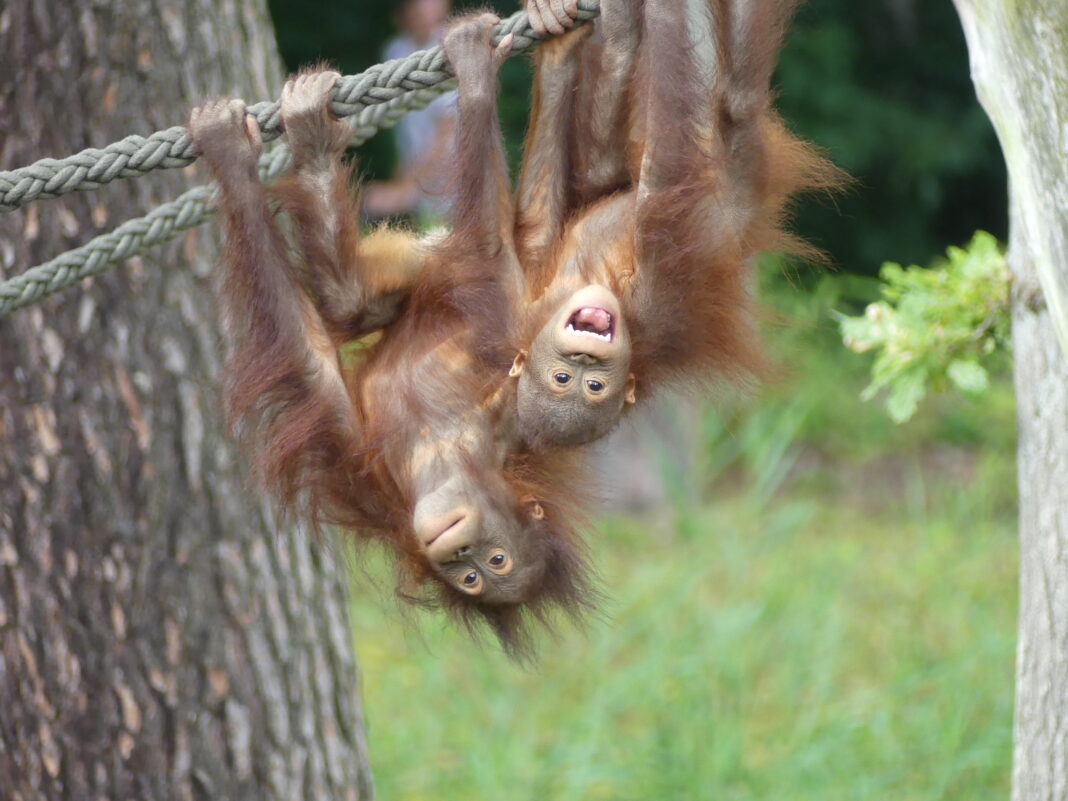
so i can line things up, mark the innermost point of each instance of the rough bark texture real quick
(1040, 759)
(159, 638)
(1019, 55)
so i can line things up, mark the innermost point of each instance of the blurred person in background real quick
(424, 137)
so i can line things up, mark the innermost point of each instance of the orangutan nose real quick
(451, 535)
(587, 359)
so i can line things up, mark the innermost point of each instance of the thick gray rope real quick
(167, 221)
(192, 208)
(136, 155)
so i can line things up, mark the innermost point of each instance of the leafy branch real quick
(934, 327)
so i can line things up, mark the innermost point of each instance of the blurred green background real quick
(831, 615)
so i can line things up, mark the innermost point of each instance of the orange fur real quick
(655, 177)
(710, 173)
(335, 435)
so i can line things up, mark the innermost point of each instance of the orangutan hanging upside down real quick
(653, 171)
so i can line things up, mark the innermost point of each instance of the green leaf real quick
(968, 376)
(905, 395)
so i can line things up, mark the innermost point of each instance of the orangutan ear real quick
(537, 511)
(629, 395)
(517, 365)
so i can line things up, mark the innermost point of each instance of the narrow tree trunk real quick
(158, 638)
(1019, 55)
(1040, 760)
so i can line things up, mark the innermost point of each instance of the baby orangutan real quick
(410, 438)
(654, 171)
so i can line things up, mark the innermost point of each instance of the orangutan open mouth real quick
(594, 321)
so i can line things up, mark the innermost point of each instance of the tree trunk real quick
(1019, 55)
(159, 638)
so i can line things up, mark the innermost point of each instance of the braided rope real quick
(173, 147)
(167, 221)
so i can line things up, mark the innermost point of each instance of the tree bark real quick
(159, 637)
(1019, 57)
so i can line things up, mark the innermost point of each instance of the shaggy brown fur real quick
(332, 435)
(663, 190)
(660, 175)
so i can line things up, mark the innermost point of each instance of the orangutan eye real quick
(563, 379)
(595, 386)
(471, 583)
(500, 562)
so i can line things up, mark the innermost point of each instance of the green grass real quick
(834, 620)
